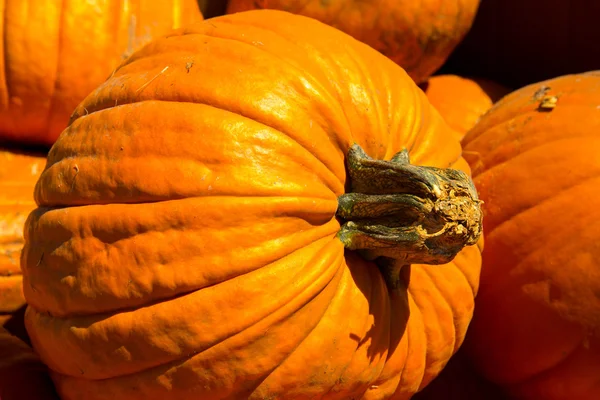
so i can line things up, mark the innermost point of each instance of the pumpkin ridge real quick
(90, 327)
(231, 348)
(103, 278)
(278, 130)
(445, 297)
(479, 167)
(433, 328)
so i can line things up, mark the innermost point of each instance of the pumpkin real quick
(418, 35)
(55, 52)
(19, 172)
(518, 43)
(203, 239)
(534, 155)
(22, 374)
(461, 101)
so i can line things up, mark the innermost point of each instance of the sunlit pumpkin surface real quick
(185, 241)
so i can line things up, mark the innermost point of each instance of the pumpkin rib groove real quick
(476, 165)
(459, 262)
(446, 303)
(224, 349)
(540, 202)
(52, 96)
(368, 296)
(426, 304)
(478, 172)
(249, 118)
(102, 328)
(294, 151)
(417, 352)
(343, 269)
(95, 277)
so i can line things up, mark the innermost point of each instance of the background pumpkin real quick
(185, 241)
(19, 172)
(22, 374)
(54, 53)
(518, 43)
(417, 35)
(462, 101)
(534, 155)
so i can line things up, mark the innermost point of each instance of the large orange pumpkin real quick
(535, 159)
(19, 172)
(186, 243)
(462, 101)
(54, 53)
(418, 35)
(22, 374)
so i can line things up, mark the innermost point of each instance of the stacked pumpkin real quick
(53, 55)
(261, 206)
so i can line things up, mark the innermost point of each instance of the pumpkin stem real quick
(408, 213)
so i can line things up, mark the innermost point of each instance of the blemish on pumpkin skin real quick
(540, 93)
(188, 66)
(548, 103)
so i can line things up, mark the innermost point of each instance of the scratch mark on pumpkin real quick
(145, 85)
(41, 259)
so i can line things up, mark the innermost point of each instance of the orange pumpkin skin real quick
(462, 101)
(22, 374)
(185, 241)
(18, 174)
(81, 43)
(534, 155)
(417, 35)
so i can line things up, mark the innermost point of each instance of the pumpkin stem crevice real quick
(409, 213)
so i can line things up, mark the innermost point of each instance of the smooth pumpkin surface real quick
(517, 43)
(535, 162)
(460, 100)
(19, 171)
(22, 374)
(417, 35)
(185, 242)
(54, 53)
